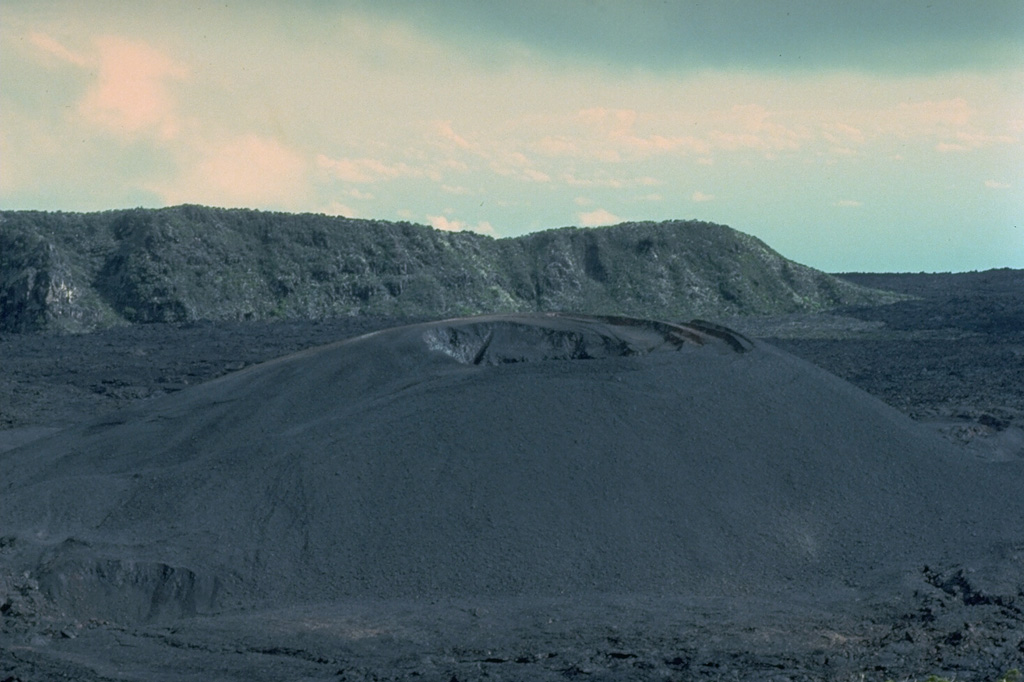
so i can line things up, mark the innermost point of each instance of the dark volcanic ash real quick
(502, 456)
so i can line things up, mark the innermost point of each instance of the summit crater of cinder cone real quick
(503, 339)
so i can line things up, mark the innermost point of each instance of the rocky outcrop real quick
(37, 288)
(76, 272)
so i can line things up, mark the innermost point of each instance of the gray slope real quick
(383, 467)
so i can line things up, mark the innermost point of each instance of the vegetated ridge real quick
(77, 272)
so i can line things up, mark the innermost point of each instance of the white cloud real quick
(604, 135)
(573, 181)
(357, 193)
(616, 122)
(440, 222)
(931, 115)
(515, 164)
(610, 183)
(848, 203)
(995, 184)
(699, 197)
(340, 209)
(967, 140)
(954, 125)
(557, 145)
(842, 134)
(598, 217)
(535, 175)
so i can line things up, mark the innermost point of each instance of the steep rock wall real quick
(76, 272)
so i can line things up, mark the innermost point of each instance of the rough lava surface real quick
(511, 496)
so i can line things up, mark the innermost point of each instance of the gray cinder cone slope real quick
(502, 455)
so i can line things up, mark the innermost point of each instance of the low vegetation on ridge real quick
(83, 271)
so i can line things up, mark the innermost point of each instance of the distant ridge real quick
(77, 272)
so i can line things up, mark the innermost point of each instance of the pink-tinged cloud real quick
(500, 157)
(557, 145)
(447, 133)
(515, 164)
(995, 184)
(753, 127)
(132, 92)
(610, 135)
(247, 171)
(366, 170)
(55, 48)
(598, 217)
(615, 135)
(948, 126)
(701, 197)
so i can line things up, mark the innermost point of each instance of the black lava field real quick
(530, 496)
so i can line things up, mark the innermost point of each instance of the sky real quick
(861, 135)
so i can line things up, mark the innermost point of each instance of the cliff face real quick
(76, 272)
(45, 278)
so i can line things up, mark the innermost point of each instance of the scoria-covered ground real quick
(953, 360)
